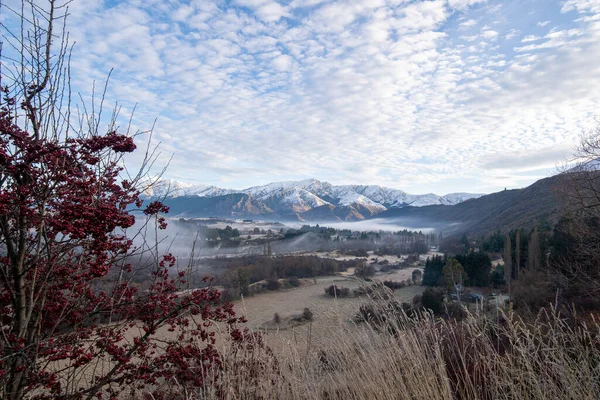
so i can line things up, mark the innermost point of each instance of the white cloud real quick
(530, 38)
(489, 34)
(282, 63)
(463, 4)
(512, 34)
(396, 93)
(468, 24)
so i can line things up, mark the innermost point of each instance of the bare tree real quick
(576, 254)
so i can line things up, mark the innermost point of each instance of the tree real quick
(465, 242)
(433, 274)
(454, 274)
(534, 257)
(497, 276)
(416, 275)
(477, 267)
(517, 253)
(494, 243)
(575, 255)
(507, 263)
(65, 205)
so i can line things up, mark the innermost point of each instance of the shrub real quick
(416, 276)
(433, 300)
(307, 314)
(417, 300)
(532, 291)
(294, 281)
(335, 291)
(273, 284)
(455, 311)
(365, 271)
(394, 284)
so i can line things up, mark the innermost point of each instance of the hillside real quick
(218, 206)
(505, 210)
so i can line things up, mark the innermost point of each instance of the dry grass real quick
(425, 358)
(417, 357)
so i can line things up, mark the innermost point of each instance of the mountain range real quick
(538, 205)
(307, 200)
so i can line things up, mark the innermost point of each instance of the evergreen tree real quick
(477, 266)
(433, 272)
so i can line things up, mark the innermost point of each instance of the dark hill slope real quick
(505, 210)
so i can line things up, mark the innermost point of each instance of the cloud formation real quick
(427, 96)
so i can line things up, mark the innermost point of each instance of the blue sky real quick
(425, 96)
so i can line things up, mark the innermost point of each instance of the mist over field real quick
(378, 224)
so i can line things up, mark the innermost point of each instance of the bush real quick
(66, 228)
(456, 311)
(294, 281)
(273, 284)
(365, 271)
(335, 291)
(307, 314)
(394, 284)
(416, 276)
(433, 300)
(532, 291)
(417, 300)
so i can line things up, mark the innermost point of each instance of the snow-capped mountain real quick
(163, 188)
(295, 198)
(345, 195)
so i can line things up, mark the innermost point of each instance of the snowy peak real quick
(303, 196)
(455, 198)
(173, 189)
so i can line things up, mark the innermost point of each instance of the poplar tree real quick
(517, 253)
(507, 262)
(534, 252)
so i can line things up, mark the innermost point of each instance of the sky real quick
(425, 96)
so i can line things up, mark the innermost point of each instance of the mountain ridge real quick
(305, 195)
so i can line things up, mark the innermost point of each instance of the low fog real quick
(378, 224)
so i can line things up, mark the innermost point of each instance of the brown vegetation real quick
(425, 358)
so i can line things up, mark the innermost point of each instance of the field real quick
(327, 310)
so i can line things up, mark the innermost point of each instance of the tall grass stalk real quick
(424, 357)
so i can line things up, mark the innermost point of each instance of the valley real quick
(299, 202)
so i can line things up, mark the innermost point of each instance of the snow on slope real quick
(286, 194)
(299, 196)
(172, 188)
(455, 198)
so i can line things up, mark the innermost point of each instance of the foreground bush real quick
(73, 325)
